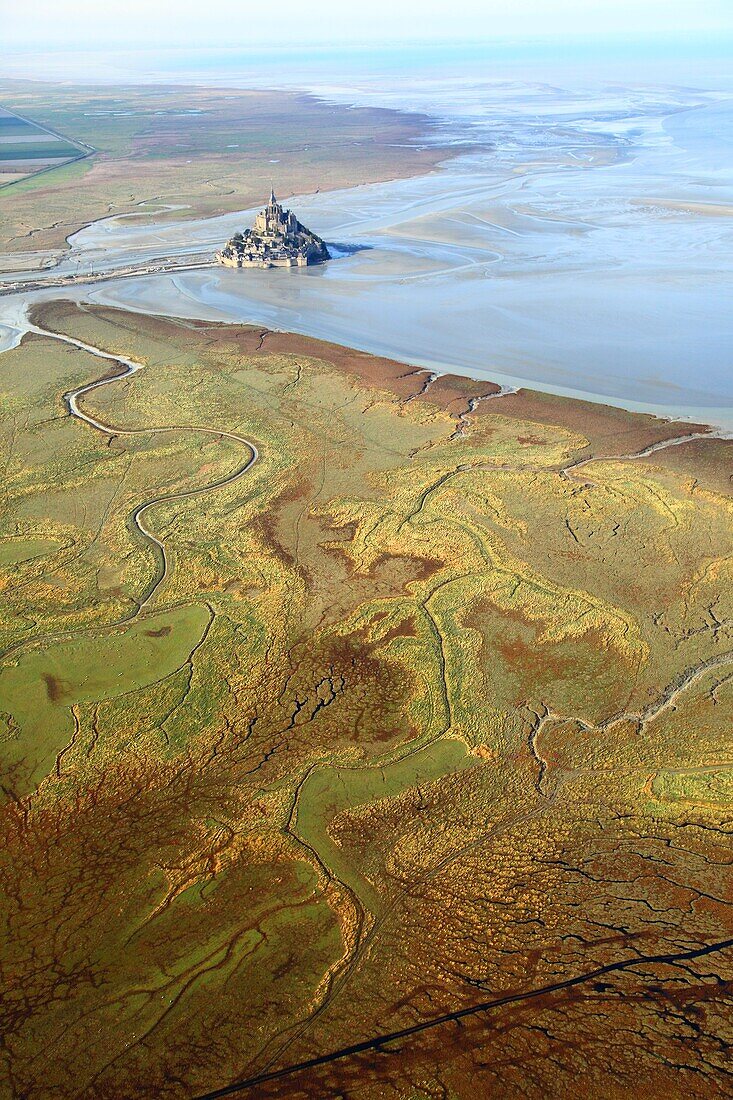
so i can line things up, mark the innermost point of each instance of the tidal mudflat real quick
(587, 252)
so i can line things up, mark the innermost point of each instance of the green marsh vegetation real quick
(417, 717)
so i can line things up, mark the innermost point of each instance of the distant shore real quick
(207, 151)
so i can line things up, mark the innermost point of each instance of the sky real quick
(42, 25)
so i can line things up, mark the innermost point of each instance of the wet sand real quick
(583, 256)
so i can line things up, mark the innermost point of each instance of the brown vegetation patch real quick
(406, 629)
(342, 683)
(530, 658)
(452, 392)
(608, 429)
(55, 690)
(387, 374)
(708, 463)
(530, 440)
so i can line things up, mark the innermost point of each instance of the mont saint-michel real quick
(365, 726)
(277, 239)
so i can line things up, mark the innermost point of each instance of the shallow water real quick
(586, 251)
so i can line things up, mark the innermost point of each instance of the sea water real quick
(582, 244)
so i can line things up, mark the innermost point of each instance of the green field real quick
(43, 688)
(46, 150)
(43, 150)
(329, 791)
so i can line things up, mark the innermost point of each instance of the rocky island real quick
(277, 239)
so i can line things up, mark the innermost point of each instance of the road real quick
(156, 267)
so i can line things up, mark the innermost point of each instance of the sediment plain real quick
(365, 732)
(205, 151)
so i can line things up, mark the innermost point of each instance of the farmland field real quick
(26, 147)
(45, 151)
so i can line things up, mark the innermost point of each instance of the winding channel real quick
(137, 519)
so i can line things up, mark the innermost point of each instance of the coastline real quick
(410, 153)
(174, 301)
(611, 430)
(436, 276)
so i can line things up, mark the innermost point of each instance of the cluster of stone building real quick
(277, 239)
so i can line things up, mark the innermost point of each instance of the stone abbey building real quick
(277, 239)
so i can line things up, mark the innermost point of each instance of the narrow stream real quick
(137, 519)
